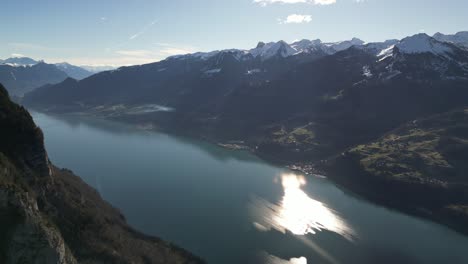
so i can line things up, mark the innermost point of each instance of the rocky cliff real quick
(49, 215)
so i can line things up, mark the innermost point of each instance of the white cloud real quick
(316, 2)
(296, 19)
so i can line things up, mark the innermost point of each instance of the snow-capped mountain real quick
(19, 61)
(312, 65)
(76, 72)
(22, 79)
(421, 57)
(73, 71)
(422, 43)
(265, 51)
(22, 74)
(460, 38)
(377, 48)
(269, 50)
(339, 46)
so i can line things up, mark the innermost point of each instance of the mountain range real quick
(23, 74)
(305, 103)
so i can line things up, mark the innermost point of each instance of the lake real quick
(231, 207)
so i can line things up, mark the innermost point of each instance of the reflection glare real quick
(270, 259)
(297, 212)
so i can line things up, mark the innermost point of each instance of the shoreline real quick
(321, 169)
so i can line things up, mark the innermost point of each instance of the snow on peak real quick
(281, 48)
(380, 48)
(268, 50)
(460, 38)
(17, 61)
(236, 53)
(305, 45)
(339, 46)
(271, 49)
(422, 43)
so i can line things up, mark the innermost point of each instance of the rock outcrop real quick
(48, 215)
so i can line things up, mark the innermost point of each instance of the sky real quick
(128, 32)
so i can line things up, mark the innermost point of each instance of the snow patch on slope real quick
(366, 71)
(386, 53)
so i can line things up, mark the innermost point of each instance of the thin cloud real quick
(143, 30)
(21, 47)
(296, 19)
(316, 2)
(131, 38)
(135, 53)
(170, 51)
(29, 46)
(141, 56)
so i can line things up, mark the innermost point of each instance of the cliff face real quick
(20, 138)
(49, 215)
(26, 234)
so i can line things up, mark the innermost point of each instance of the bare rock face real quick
(21, 139)
(50, 216)
(36, 159)
(29, 237)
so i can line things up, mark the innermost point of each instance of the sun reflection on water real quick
(297, 212)
(271, 259)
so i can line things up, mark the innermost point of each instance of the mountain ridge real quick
(23, 74)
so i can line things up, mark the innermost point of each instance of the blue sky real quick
(124, 32)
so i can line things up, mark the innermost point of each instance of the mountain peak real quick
(260, 45)
(459, 38)
(357, 41)
(20, 61)
(271, 49)
(423, 43)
